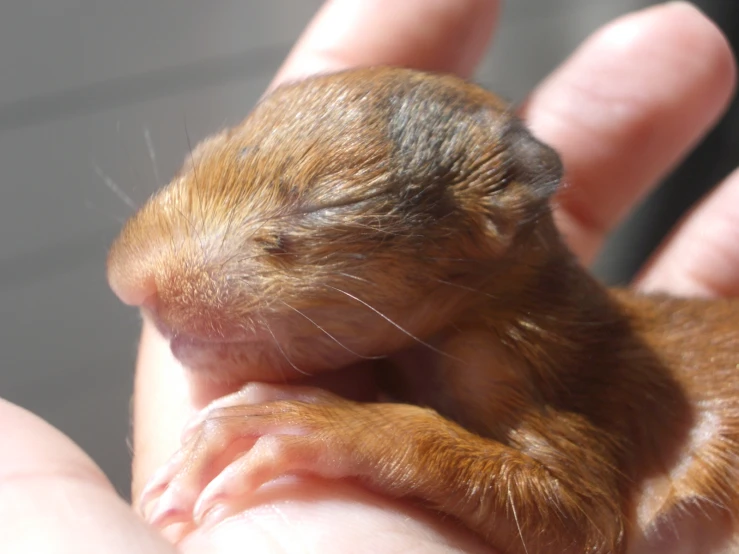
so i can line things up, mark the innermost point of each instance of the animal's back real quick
(697, 338)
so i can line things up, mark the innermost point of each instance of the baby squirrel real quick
(402, 219)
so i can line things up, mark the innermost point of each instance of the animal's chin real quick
(193, 351)
(229, 359)
(226, 361)
(289, 354)
(232, 364)
(258, 356)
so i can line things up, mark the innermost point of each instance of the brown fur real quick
(591, 419)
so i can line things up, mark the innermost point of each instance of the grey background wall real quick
(85, 87)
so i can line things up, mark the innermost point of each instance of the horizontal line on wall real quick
(244, 66)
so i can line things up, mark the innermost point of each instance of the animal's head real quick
(348, 213)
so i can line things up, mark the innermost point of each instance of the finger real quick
(54, 499)
(162, 404)
(330, 517)
(634, 99)
(439, 35)
(701, 257)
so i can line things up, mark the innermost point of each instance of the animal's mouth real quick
(236, 362)
(278, 351)
(228, 361)
(183, 346)
(263, 353)
(266, 357)
(199, 352)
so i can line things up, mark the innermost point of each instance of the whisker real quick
(198, 188)
(113, 187)
(197, 182)
(515, 518)
(394, 324)
(333, 338)
(284, 355)
(135, 176)
(355, 277)
(152, 156)
(192, 227)
(382, 230)
(229, 224)
(441, 259)
(470, 289)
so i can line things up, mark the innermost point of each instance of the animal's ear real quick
(531, 163)
(529, 174)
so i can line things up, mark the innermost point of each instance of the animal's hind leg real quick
(693, 509)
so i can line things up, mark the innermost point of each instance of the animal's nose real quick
(136, 288)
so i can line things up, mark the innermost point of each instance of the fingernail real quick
(165, 511)
(156, 485)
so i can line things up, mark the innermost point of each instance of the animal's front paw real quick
(242, 441)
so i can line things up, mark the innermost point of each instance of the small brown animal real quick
(402, 219)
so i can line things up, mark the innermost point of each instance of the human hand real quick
(621, 112)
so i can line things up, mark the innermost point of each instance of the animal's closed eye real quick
(273, 243)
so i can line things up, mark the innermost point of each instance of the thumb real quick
(53, 498)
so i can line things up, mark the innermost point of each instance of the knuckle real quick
(271, 446)
(212, 429)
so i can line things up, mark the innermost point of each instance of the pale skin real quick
(621, 111)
